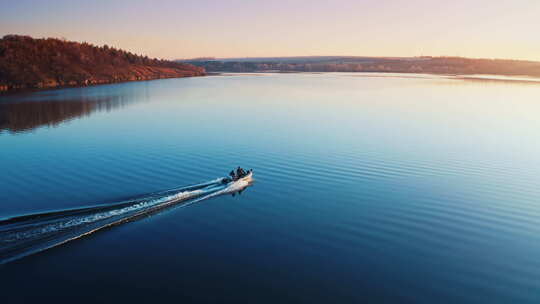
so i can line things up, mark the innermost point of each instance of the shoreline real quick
(473, 77)
(26, 89)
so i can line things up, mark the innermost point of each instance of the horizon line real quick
(201, 58)
(280, 56)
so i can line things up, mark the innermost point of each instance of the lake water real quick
(368, 188)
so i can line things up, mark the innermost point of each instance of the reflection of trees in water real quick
(24, 116)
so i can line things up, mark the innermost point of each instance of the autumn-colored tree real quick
(40, 63)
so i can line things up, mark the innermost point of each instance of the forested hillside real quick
(28, 63)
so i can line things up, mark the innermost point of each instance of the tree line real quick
(26, 62)
(435, 65)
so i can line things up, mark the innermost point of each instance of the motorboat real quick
(248, 176)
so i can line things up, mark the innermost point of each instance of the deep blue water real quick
(394, 189)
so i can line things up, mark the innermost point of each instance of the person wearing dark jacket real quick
(239, 172)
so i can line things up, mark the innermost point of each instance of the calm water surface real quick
(369, 188)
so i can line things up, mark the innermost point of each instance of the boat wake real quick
(28, 234)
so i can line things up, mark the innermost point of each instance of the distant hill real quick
(28, 63)
(433, 65)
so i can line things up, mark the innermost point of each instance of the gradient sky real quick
(257, 28)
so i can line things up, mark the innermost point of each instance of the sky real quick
(255, 28)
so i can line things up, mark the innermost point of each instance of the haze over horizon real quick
(169, 29)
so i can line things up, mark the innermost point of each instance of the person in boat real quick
(239, 172)
(232, 174)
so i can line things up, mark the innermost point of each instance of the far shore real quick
(474, 77)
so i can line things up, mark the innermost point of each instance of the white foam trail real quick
(231, 188)
(100, 216)
(43, 231)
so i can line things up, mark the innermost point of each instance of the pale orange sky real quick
(236, 28)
